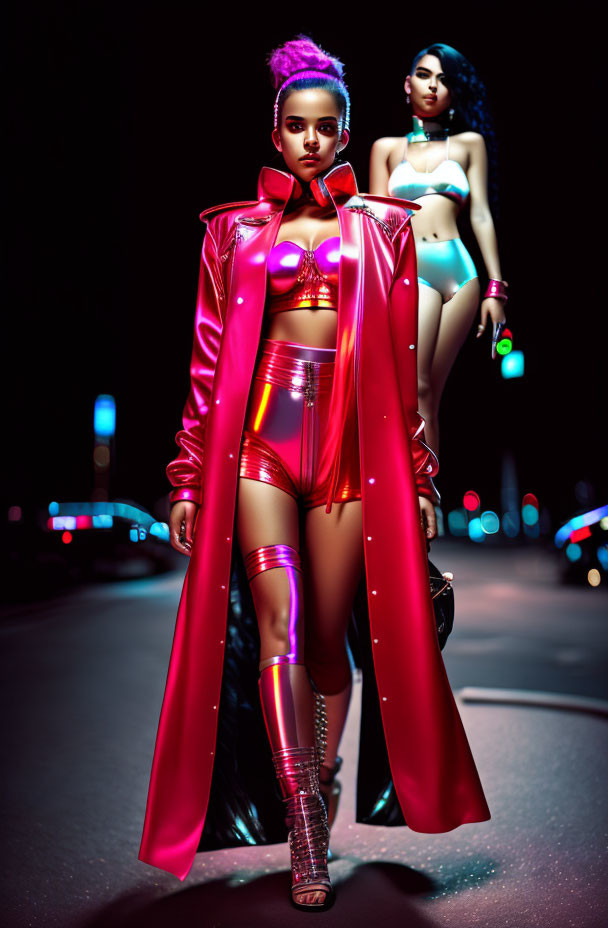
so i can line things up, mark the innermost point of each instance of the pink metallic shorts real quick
(286, 422)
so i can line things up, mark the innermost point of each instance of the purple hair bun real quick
(302, 54)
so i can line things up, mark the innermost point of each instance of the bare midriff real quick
(314, 326)
(315, 322)
(436, 220)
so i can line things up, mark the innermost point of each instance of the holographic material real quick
(448, 179)
(444, 266)
(298, 278)
(286, 426)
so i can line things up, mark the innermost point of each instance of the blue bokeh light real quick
(457, 522)
(476, 532)
(510, 523)
(585, 518)
(160, 530)
(512, 365)
(574, 552)
(529, 514)
(490, 523)
(105, 415)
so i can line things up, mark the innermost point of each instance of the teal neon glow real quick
(457, 522)
(512, 365)
(490, 523)
(602, 556)
(587, 518)
(105, 416)
(134, 534)
(529, 514)
(118, 510)
(242, 830)
(105, 514)
(160, 530)
(476, 532)
(574, 552)
(383, 799)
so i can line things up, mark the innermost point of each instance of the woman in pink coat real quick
(303, 488)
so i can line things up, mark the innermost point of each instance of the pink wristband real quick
(497, 289)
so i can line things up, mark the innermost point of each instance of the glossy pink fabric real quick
(433, 770)
(297, 277)
(287, 423)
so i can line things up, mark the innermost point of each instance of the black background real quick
(127, 120)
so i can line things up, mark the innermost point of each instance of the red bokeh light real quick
(530, 500)
(66, 538)
(580, 533)
(471, 501)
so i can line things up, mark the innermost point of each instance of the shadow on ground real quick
(372, 891)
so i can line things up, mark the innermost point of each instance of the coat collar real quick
(277, 186)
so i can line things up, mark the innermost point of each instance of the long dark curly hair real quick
(470, 104)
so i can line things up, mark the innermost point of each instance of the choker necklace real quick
(429, 131)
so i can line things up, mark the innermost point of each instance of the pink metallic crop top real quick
(298, 278)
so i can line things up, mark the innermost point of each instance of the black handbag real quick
(442, 595)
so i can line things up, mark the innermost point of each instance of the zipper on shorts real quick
(308, 425)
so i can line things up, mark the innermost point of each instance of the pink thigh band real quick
(271, 556)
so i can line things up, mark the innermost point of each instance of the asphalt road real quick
(83, 676)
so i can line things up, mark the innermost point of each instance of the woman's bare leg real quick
(268, 534)
(457, 317)
(429, 317)
(333, 559)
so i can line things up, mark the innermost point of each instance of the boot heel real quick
(297, 771)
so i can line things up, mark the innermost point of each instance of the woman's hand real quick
(428, 519)
(181, 526)
(493, 308)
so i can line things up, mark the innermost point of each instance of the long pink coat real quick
(432, 769)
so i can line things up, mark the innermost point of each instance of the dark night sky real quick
(129, 119)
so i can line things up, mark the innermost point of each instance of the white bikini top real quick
(448, 179)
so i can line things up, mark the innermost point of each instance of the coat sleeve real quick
(185, 471)
(404, 326)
